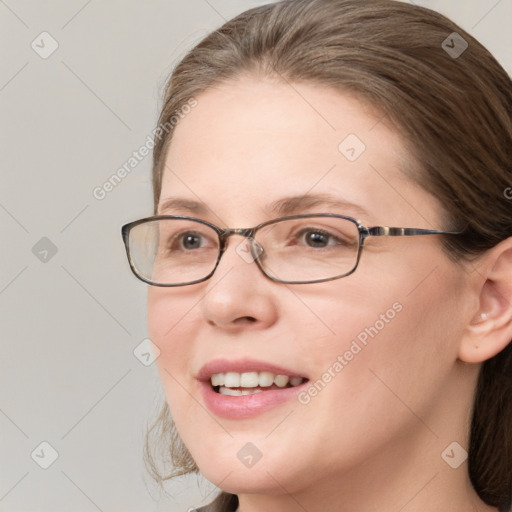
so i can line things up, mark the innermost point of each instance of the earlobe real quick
(490, 328)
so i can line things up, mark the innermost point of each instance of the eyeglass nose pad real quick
(256, 248)
(249, 250)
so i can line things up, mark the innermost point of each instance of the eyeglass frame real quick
(249, 233)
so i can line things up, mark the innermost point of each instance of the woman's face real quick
(378, 347)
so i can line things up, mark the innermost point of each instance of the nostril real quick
(245, 320)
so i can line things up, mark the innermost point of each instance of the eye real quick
(318, 238)
(188, 241)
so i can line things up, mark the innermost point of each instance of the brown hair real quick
(453, 106)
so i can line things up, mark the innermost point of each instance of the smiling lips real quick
(246, 388)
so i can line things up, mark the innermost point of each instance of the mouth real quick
(246, 388)
(250, 383)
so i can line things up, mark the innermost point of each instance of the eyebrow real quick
(282, 207)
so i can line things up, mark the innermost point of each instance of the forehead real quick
(253, 119)
(253, 141)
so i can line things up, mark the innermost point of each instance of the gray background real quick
(71, 320)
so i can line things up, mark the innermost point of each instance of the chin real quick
(237, 479)
(238, 466)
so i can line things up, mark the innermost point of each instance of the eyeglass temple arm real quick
(390, 231)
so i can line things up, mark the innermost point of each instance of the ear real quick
(490, 328)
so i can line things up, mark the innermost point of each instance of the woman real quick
(324, 361)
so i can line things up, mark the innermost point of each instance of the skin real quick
(372, 439)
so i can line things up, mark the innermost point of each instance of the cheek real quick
(172, 326)
(163, 320)
(174, 323)
(173, 318)
(395, 347)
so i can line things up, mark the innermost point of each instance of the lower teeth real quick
(238, 392)
(223, 390)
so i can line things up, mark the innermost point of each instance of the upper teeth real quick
(253, 379)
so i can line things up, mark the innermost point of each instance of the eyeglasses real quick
(168, 250)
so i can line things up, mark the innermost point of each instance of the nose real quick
(238, 295)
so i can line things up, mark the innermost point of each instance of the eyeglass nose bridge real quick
(255, 247)
(247, 232)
